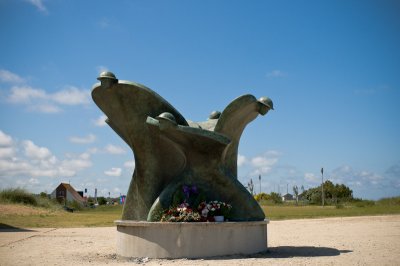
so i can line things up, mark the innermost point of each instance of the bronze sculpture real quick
(171, 151)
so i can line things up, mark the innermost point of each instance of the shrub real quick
(261, 197)
(18, 195)
(75, 205)
(101, 200)
(389, 201)
(365, 203)
(43, 195)
(339, 206)
(275, 197)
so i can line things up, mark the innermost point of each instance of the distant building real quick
(287, 197)
(66, 191)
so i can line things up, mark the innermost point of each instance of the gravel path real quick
(373, 240)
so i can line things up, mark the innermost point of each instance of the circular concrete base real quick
(189, 240)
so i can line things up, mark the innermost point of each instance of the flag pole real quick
(322, 187)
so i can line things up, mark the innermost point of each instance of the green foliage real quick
(389, 201)
(262, 197)
(276, 197)
(195, 197)
(364, 203)
(75, 205)
(101, 200)
(266, 199)
(18, 195)
(334, 194)
(43, 195)
(339, 206)
(51, 204)
(21, 196)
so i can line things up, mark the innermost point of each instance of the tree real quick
(275, 197)
(250, 186)
(333, 193)
(296, 193)
(101, 200)
(43, 195)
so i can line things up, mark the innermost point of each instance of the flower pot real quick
(219, 218)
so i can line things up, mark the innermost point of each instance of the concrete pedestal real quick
(189, 240)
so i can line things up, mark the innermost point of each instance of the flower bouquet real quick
(214, 208)
(181, 213)
(191, 196)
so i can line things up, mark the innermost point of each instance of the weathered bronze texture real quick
(171, 151)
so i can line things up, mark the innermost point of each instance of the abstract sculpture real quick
(171, 151)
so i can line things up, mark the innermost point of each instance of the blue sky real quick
(332, 69)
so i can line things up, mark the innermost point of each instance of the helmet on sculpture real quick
(267, 102)
(106, 75)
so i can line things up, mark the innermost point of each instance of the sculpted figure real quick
(171, 151)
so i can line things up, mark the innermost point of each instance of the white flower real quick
(204, 212)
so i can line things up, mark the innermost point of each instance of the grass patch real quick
(45, 213)
(283, 212)
(100, 216)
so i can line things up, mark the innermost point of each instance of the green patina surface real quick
(171, 151)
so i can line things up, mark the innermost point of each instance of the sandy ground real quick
(335, 241)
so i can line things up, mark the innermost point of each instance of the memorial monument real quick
(172, 153)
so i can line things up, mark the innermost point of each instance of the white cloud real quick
(28, 160)
(5, 140)
(25, 94)
(101, 69)
(35, 152)
(39, 100)
(101, 121)
(276, 74)
(45, 108)
(130, 164)
(73, 164)
(71, 96)
(7, 152)
(112, 149)
(268, 159)
(9, 77)
(113, 172)
(241, 160)
(263, 164)
(33, 181)
(83, 140)
(38, 4)
(312, 178)
(68, 96)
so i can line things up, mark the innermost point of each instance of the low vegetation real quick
(21, 196)
(19, 208)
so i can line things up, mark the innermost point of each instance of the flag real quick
(322, 170)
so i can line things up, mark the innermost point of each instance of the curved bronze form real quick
(170, 151)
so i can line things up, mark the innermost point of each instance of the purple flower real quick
(186, 191)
